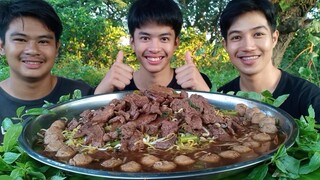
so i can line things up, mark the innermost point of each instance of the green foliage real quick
(14, 162)
(88, 35)
(300, 160)
(4, 69)
(203, 14)
(301, 58)
(264, 96)
(72, 68)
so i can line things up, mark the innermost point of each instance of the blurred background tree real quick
(95, 30)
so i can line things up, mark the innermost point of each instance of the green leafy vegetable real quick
(14, 162)
(302, 160)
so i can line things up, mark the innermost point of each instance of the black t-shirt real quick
(302, 94)
(173, 84)
(63, 87)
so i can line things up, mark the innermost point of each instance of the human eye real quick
(235, 38)
(165, 39)
(259, 34)
(144, 38)
(44, 42)
(18, 39)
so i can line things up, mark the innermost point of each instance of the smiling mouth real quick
(154, 59)
(32, 62)
(249, 58)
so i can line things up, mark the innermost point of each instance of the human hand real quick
(189, 77)
(118, 76)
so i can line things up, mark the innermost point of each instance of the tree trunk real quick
(283, 42)
(290, 20)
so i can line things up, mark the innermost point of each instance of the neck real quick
(145, 79)
(30, 89)
(267, 80)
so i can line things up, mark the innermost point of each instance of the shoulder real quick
(290, 82)
(66, 85)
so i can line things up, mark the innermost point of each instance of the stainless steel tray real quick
(223, 101)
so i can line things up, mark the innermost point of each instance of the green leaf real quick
(305, 72)
(277, 102)
(10, 157)
(64, 98)
(77, 94)
(56, 177)
(47, 104)
(5, 177)
(284, 5)
(251, 95)
(267, 94)
(37, 112)
(281, 152)
(20, 110)
(35, 174)
(288, 165)
(311, 112)
(314, 39)
(313, 165)
(4, 166)
(259, 173)
(7, 123)
(18, 173)
(11, 137)
(312, 176)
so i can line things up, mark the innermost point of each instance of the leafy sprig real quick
(14, 162)
(299, 160)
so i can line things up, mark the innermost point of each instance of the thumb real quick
(120, 56)
(188, 58)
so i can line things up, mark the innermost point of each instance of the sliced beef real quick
(103, 115)
(73, 124)
(94, 136)
(168, 127)
(80, 160)
(167, 143)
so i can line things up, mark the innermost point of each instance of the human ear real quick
(177, 42)
(57, 48)
(275, 36)
(1, 48)
(132, 42)
(224, 43)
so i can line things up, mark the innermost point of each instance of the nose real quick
(248, 43)
(31, 48)
(154, 46)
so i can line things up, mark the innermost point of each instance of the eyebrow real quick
(255, 28)
(24, 35)
(148, 34)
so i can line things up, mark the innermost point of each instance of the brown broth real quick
(216, 148)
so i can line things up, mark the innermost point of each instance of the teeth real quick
(32, 62)
(154, 58)
(247, 58)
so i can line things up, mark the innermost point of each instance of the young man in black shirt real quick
(154, 26)
(29, 39)
(249, 31)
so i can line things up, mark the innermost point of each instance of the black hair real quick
(162, 12)
(39, 9)
(235, 8)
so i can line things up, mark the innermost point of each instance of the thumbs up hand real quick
(189, 77)
(118, 76)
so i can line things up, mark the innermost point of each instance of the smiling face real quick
(30, 48)
(250, 43)
(154, 46)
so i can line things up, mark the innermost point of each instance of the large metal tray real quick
(223, 101)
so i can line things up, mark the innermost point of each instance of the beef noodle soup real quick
(160, 130)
